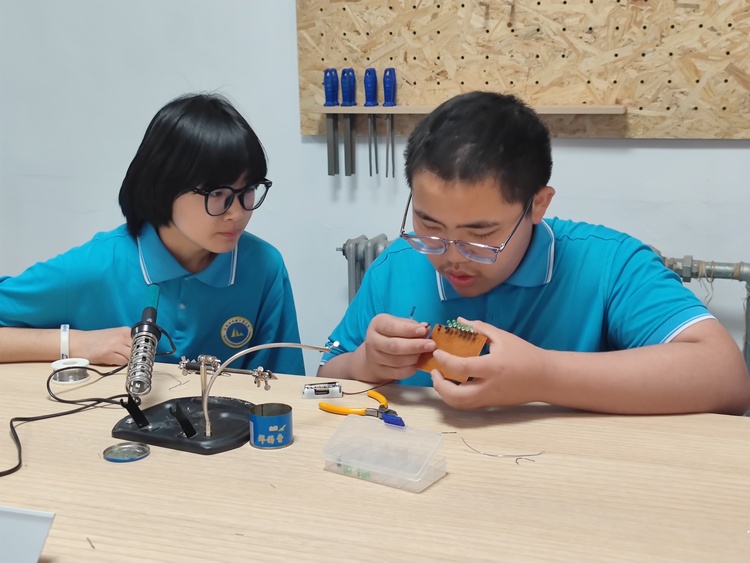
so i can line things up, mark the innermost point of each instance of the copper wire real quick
(517, 456)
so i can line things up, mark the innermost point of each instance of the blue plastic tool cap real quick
(348, 87)
(389, 87)
(331, 87)
(371, 87)
(393, 420)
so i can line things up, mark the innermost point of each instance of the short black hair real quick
(194, 140)
(481, 135)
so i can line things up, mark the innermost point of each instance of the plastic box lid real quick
(403, 457)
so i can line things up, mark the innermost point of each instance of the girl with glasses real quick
(187, 197)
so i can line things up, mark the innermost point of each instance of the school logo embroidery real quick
(236, 332)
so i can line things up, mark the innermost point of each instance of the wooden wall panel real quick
(681, 68)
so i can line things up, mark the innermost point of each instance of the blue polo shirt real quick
(243, 298)
(580, 287)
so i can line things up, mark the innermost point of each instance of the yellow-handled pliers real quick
(382, 412)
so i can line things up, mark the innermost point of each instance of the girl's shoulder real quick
(258, 254)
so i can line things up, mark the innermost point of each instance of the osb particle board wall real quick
(681, 68)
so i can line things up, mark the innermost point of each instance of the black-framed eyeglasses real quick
(220, 198)
(482, 253)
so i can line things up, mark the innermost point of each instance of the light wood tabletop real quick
(607, 488)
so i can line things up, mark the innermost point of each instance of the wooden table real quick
(607, 488)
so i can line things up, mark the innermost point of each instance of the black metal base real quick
(229, 425)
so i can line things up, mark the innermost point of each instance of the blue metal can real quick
(271, 426)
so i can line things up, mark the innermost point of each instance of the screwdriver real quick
(389, 100)
(371, 100)
(348, 99)
(331, 87)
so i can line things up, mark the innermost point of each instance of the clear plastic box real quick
(402, 457)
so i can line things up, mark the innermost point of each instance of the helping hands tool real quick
(389, 416)
(389, 100)
(331, 87)
(371, 100)
(348, 99)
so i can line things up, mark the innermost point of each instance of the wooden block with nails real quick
(457, 339)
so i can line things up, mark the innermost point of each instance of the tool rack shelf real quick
(681, 68)
(349, 113)
(407, 112)
(582, 109)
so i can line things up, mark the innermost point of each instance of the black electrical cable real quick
(91, 403)
(111, 400)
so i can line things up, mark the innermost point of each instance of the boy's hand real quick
(110, 346)
(392, 347)
(509, 375)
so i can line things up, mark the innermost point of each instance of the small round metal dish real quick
(126, 451)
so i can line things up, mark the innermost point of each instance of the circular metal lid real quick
(126, 451)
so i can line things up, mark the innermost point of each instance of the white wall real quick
(81, 79)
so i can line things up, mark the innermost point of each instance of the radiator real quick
(360, 252)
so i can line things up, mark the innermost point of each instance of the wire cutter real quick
(387, 415)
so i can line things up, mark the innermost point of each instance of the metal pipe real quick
(689, 269)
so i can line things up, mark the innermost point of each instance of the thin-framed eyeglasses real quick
(482, 253)
(220, 198)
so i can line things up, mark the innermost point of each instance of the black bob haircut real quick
(482, 135)
(195, 140)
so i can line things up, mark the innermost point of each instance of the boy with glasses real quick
(575, 314)
(187, 197)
